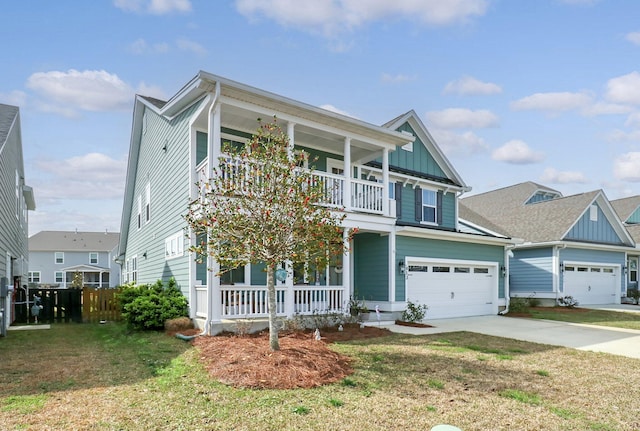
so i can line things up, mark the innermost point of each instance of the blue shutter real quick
(398, 195)
(439, 207)
(418, 192)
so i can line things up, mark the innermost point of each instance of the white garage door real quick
(591, 283)
(453, 288)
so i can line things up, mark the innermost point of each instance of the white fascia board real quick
(572, 244)
(482, 228)
(416, 181)
(417, 232)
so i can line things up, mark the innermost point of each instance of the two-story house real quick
(392, 181)
(17, 201)
(57, 256)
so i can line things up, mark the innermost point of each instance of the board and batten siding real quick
(595, 256)
(371, 273)
(439, 249)
(168, 173)
(594, 231)
(418, 160)
(634, 218)
(13, 230)
(531, 271)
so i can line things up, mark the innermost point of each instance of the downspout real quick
(507, 295)
(214, 104)
(557, 266)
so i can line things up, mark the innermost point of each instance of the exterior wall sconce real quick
(165, 146)
(561, 267)
(401, 266)
(503, 271)
(624, 269)
(144, 254)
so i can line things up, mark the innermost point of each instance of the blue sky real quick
(512, 91)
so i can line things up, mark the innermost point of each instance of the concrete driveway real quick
(624, 342)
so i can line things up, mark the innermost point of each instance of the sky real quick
(512, 91)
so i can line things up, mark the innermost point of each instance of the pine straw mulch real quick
(302, 362)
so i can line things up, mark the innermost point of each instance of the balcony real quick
(365, 196)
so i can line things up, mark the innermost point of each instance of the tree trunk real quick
(271, 293)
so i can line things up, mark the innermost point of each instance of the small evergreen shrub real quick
(568, 301)
(414, 312)
(634, 293)
(148, 306)
(518, 305)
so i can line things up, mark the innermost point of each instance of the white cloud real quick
(333, 17)
(155, 7)
(90, 90)
(517, 152)
(191, 46)
(16, 98)
(633, 37)
(387, 77)
(627, 167)
(461, 118)
(93, 176)
(332, 108)
(624, 89)
(468, 85)
(603, 108)
(552, 102)
(461, 145)
(553, 176)
(140, 46)
(152, 91)
(633, 120)
(622, 136)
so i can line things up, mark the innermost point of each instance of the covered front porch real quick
(92, 276)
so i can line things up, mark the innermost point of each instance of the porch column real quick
(289, 296)
(346, 269)
(385, 182)
(347, 174)
(292, 141)
(392, 267)
(213, 132)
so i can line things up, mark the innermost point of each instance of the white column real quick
(385, 182)
(346, 269)
(292, 141)
(347, 174)
(214, 297)
(393, 266)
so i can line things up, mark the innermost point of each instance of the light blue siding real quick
(596, 256)
(438, 249)
(167, 172)
(595, 231)
(634, 218)
(531, 270)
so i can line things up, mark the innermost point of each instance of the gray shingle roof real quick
(626, 206)
(634, 231)
(72, 241)
(544, 221)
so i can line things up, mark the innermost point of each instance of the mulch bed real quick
(413, 324)
(302, 362)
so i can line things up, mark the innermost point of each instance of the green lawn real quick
(99, 377)
(618, 319)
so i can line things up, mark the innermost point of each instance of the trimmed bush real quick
(148, 306)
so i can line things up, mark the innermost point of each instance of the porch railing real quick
(366, 196)
(252, 301)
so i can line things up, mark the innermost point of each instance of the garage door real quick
(591, 283)
(453, 289)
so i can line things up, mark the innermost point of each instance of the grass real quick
(100, 377)
(618, 319)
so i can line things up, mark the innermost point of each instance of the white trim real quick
(97, 258)
(55, 257)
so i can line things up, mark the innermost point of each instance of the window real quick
(174, 246)
(59, 257)
(93, 258)
(147, 203)
(59, 277)
(126, 271)
(34, 276)
(392, 190)
(593, 213)
(462, 270)
(633, 270)
(139, 212)
(441, 269)
(18, 195)
(134, 269)
(429, 206)
(418, 268)
(232, 276)
(481, 270)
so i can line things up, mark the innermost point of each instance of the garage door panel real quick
(452, 289)
(591, 283)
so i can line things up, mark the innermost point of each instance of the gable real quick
(419, 160)
(594, 226)
(634, 218)
(541, 196)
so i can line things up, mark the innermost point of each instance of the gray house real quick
(17, 201)
(572, 245)
(56, 256)
(392, 181)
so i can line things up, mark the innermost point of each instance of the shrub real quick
(518, 305)
(414, 312)
(634, 293)
(568, 301)
(148, 306)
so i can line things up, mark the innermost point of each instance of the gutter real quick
(507, 297)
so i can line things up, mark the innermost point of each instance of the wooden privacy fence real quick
(99, 304)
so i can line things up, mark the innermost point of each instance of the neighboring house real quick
(56, 256)
(572, 246)
(393, 182)
(628, 209)
(17, 200)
